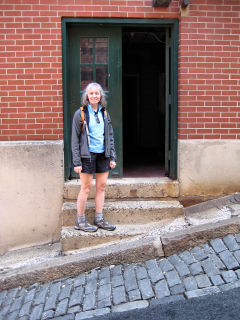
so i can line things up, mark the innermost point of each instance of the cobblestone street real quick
(210, 268)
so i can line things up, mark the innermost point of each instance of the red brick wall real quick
(209, 70)
(31, 64)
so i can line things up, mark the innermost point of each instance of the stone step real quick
(74, 240)
(129, 188)
(126, 211)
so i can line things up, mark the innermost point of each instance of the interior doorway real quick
(143, 84)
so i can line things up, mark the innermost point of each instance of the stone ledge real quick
(193, 236)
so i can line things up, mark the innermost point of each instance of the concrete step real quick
(73, 240)
(129, 188)
(126, 211)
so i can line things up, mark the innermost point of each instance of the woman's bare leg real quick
(86, 183)
(101, 181)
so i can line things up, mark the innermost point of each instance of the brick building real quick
(173, 82)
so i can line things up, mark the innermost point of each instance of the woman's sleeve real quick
(113, 155)
(76, 132)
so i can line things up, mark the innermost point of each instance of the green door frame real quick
(168, 23)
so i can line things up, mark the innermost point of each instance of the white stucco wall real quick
(209, 167)
(31, 193)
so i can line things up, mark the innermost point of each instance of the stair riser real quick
(139, 216)
(76, 243)
(123, 191)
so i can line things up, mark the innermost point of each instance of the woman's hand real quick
(78, 169)
(112, 164)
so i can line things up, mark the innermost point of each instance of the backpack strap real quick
(82, 117)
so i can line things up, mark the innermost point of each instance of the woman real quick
(93, 152)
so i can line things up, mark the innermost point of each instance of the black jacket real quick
(80, 147)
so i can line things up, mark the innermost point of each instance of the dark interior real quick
(143, 102)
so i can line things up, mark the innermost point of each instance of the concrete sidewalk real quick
(201, 259)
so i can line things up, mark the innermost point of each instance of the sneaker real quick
(103, 224)
(85, 226)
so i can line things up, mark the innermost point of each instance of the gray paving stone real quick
(141, 273)
(161, 289)
(92, 313)
(3, 295)
(218, 263)
(16, 305)
(237, 237)
(89, 302)
(155, 274)
(12, 316)
(25, 309)
(104, 276)
(207, 248)
(92, 275)
(12, 293)
(55, 288)
(172, 278)
(165, 300)
(130, 279)
(230, 286)
(179, 288)
(4, 310)
(216, 280)
(201, 292)
(65, 291)
(203, 281)
(145, 288)
(51, 303)
(228, 259)
(40, 296)
(209, 267)
(76, 297)
(104, 292)
(66, 317)
(165, 265)
(238, 273)
(75, 309)
(151, 264)
(116, 270)
(199, 254)
(180, 266)
(117, 281)
(104, 303)
(229, 276)
(190, 283)
(218, 245)
(231, 243)
(47, 315)
(134, 295)
(130, 306)
(37, 312)
(195, 268)
(187, 257)
(61, 308)
(119, 295)
(30, 295)
(237, 255)
(79, 280)
(91, 286)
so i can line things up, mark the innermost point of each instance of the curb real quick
(133, 250)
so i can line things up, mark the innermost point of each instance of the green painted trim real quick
(137, 22)
(66, 118)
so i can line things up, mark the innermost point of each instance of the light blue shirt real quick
(96, 130)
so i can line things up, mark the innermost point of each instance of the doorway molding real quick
(173, 24)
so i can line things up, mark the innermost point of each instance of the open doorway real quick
(143, 74)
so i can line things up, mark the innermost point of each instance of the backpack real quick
(83, 119)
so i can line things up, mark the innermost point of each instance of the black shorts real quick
(97, 164)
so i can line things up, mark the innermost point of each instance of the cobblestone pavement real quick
(210, 268)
